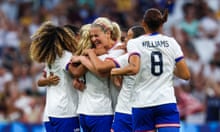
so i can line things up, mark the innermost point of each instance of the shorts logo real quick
(76, 130)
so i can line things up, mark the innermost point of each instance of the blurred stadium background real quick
(193, 23)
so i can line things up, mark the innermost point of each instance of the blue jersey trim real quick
(116, 63)
(67, 66)
(178, 59)
(154, 33)
(134, 53)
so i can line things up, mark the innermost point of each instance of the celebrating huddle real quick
(96, 82)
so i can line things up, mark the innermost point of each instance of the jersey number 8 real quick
(156, 63)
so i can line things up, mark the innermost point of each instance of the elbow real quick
(186, 76)
(182, 72)
(39, 84)
(133, 71)
(101, 69)
(42, 83)
(105, 67)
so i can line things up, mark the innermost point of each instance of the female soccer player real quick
(122, 118)
(155, 58)
(54, 46)
(95, 107)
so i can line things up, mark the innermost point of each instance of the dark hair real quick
(137, 31)
(73, 28)
(154, 18)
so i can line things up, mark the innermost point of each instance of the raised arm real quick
(85, 61)
(131, 69)
(100, 66)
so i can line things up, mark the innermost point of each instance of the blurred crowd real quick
(193, 23)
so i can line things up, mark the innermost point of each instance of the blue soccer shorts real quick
(70, 124)
(150, 118)
(92, 123)
(122, 122)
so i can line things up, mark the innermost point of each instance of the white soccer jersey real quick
(96, 98)
(114, 53)
(45, 117)
(154, 82)
(61, 99)
(124, 99)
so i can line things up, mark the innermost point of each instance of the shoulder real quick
(169, 38)
(66, 55)
(138, 39)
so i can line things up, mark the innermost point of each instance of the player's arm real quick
(83, 60)
(77, 70)
(117, 81)
(100, 66)
(181, 70)
(132, 69)
(47, 81)
(88, 64)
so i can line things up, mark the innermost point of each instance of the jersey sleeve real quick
(65, 60)
(177, 51)
(122, 60)
(115, 53)
(132, 47)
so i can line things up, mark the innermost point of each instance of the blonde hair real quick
(49, 41)
(85, 41)
(106, 25)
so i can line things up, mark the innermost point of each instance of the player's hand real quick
(75, 59)
(79, 85)
(53, 79)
